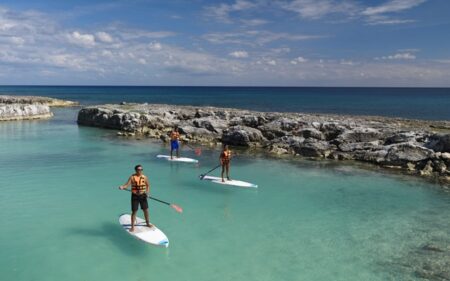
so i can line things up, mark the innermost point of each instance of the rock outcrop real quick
(52, 102)
(28, 107)
(414, 146)
(9, 112)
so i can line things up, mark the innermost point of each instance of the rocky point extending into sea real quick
(413, 146)
(29, 107)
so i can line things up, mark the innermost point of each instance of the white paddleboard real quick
(178, 159)
(230, 182)
(146, 234)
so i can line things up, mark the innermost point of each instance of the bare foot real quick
(131, 229)
(223, 180)
(228, 178)
(150, 225)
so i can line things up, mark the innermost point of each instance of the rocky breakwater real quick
(413, 146)
(29, 107)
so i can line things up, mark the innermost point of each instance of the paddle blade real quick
(198, 151)
(176, 208)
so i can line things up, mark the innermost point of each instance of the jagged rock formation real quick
(28, 107)
(414, 146)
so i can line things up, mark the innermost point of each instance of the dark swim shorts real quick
(173, 144)
(137, 200)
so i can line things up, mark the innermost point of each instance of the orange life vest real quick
(138, 184)
(226, 155)
(174, 135)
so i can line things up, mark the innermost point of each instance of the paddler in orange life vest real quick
(174, 142)
(140, 189)
(225, 158)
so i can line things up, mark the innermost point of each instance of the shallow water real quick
(60, 205)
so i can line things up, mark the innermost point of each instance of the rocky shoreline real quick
(29, 107)
(413, 146)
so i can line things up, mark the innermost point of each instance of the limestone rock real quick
(360, 135)
(242, 135)
(404, 153)
(439, 142)
(10, 112)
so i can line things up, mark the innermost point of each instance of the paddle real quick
(203, 175)
(197, 151)
(173, 206)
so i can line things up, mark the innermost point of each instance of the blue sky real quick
(239, 42)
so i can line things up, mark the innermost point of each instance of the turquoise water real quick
(416, 103)
(307, 221)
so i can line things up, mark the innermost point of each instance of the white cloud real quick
(15, 40)
(298, 60)
(347, 62)
(392, 6)
(104, 37)
(409, 50)
(132, 34)
(138, 56)
(387, 21)
(315, 9)
(254, 22)
(155, 46)
(377, 15)
(256, 37)
(399, 56)
(269, 61)
(222, 11)
(351, 9)
(239, 54)
(282, 50)
(86, 39)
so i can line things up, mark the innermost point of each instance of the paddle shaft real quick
(188, 145)
(203, 175)
(156, 199)
(153, 198)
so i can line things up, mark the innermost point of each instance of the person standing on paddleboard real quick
(225, 159)
(140, 189)
(174, 142)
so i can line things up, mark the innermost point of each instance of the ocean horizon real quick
(413, 103)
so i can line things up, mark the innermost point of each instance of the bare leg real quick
(133, 218)
(171, 153)
(223, 170)
(228, 170)
(178, 153)
(147, 218)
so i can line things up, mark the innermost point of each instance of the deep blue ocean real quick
(416, 103)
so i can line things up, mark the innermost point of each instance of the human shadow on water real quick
(116, 236)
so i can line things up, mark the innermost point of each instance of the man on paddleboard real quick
(225, 159)
(140, 189)
(174, 142)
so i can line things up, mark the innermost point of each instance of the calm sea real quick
(416, 103)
